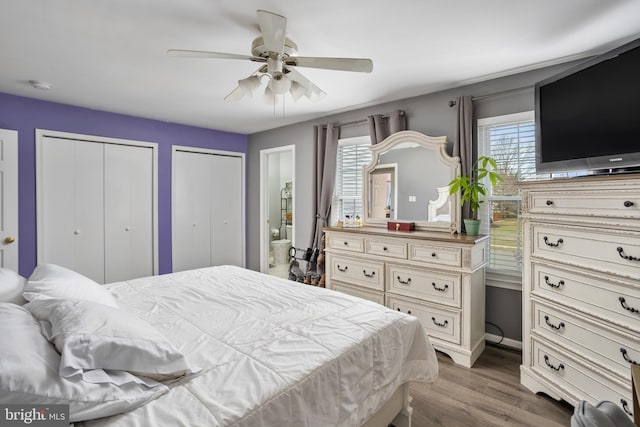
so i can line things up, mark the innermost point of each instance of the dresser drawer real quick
(362, 272)
(610, 251)
(433, 286)
(345, 242)
(386, 248)
(612, 300)
(605, 346)
(439, 322)
(579, 379)
(369, 295)
(435, 254)
(612, 203)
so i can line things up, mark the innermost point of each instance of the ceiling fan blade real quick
(273, 28)
(311, 91)
(361, 65)
(235, 95)
(215, 55)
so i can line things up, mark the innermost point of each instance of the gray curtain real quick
(326, 150)
(381, 127)
(463, 144)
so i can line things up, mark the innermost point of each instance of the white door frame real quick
(242, 156)
(41, 134)
(9, 203)
(265, 229)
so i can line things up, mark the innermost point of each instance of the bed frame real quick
(396, 411)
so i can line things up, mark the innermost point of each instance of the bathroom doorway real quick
(277, 212)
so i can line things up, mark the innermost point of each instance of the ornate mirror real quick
(407, 181)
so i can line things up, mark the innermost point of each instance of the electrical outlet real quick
(412, 198)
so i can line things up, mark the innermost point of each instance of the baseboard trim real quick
(507, 342)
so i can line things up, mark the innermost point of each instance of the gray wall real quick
(429, 114)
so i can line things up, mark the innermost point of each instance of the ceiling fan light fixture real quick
(280, 84)
(249, 85)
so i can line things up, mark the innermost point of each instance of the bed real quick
(270, 352)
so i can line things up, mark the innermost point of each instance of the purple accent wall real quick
(26, 115)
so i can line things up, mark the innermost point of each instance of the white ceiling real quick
(111, 54)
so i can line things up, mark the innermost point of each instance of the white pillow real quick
(11, 286)
(93, 336)
(29, 374)
(54, 281)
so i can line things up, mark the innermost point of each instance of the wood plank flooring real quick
(489, 394)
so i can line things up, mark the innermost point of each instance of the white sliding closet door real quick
(192, 211)
(128, 199)
(71, 217)
(208, 210)
(226, 207)
(96, 207)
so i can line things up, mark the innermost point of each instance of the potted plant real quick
(472, 189)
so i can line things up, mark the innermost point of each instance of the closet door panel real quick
(89, 210)
(57, 198)
(128, 195)
(72, 219)
(192, 210)
(226, 207)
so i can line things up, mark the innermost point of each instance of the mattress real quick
(273, 352)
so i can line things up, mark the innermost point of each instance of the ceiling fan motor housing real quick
(258, 48)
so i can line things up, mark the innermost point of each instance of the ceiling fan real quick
(278, 54)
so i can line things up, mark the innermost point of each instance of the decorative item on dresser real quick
(436, 276)
(581, 288)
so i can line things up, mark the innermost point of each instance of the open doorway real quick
(277, 212)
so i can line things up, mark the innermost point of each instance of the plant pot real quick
(472, 226)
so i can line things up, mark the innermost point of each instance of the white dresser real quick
(434, 276)
(581, 288)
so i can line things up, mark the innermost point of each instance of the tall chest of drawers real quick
(581, 288)
(434, 276)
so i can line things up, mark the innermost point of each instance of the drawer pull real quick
(553, 285)
(404, 282)
(551, 325)
(553, 245)
(624, 305)
(433, 254)
(549, 202)
(442, 325)
(628, 203)
(343, 270)
(373, 273)
(440, 289)
(346, 243)
(555, 368)
(408, 311)
(625, 356)
(384, 248)
(627, 257)
(625, 406)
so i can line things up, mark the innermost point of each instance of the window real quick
(353, 155)
(510, 140)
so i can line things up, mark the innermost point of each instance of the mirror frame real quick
(439, 146)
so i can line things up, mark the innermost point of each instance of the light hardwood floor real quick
(489, 394)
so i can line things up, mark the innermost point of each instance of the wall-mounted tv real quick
(588, 117)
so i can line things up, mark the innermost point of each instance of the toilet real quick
(281, 251)
(280, 248)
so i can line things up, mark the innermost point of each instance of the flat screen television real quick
(588, 117)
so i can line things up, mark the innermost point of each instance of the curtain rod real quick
(491, 95)
(357, 122)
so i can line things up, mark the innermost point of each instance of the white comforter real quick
(273, 352)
